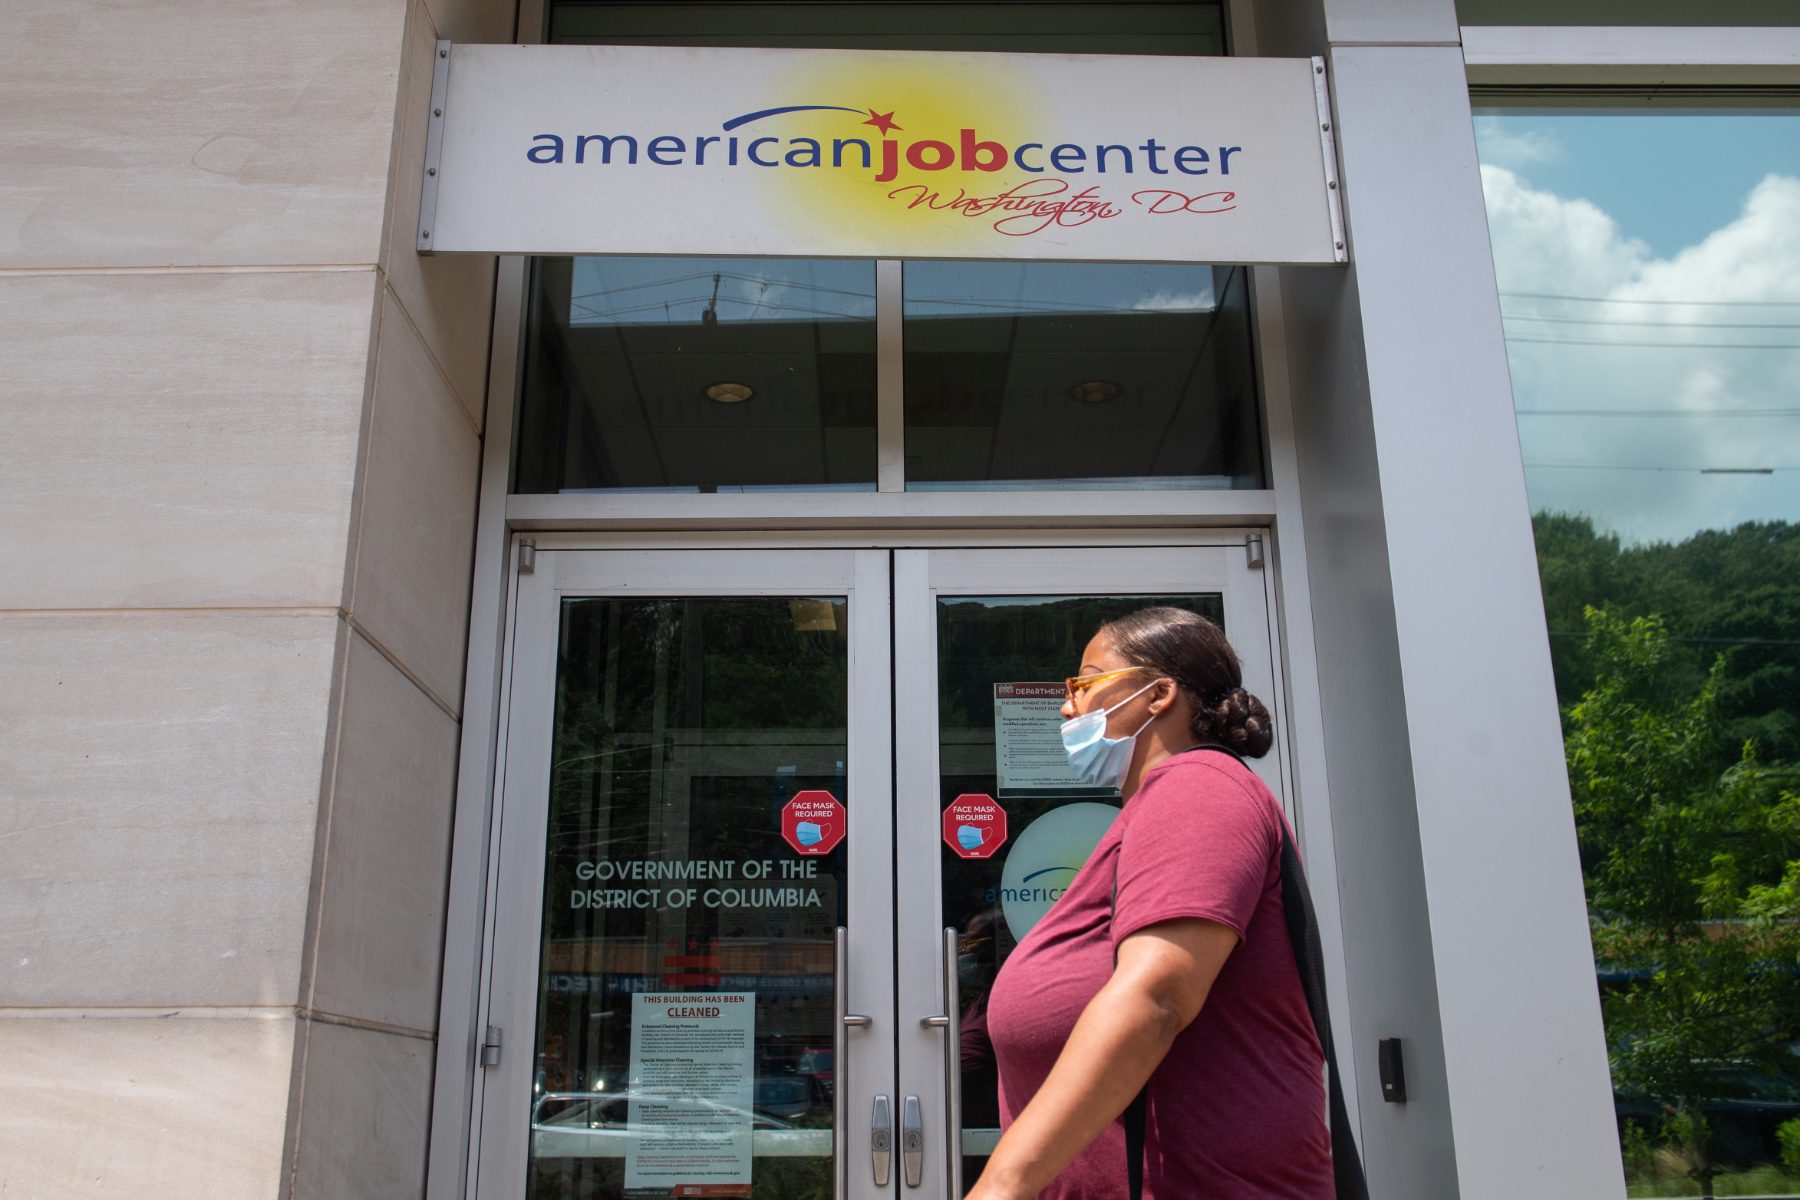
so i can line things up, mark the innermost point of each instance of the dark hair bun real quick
(1241, 722)
(1193, 652)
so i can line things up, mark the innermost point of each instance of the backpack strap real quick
(1309, 958)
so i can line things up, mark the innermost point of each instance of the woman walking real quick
(1166, 967)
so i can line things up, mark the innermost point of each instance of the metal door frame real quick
(928, 1054)
(510, 955)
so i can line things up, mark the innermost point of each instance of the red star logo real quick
(883, 121)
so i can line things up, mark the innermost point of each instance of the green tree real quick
(1722, 592)
(1692, 874)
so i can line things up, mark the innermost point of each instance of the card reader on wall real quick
(1393, 1071)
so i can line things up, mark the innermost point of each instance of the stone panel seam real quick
(1380, 45)
(394, 661)
(456, 396)
(154, 1012)
(321, 1017)
(198, 269)
(322, 610)
(328, 785)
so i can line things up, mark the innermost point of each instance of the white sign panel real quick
(879, 154)
(692, 1088)
(1028, 752)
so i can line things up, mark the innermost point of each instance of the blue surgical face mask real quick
(808, 833)
(1098, 760)
(969, 837)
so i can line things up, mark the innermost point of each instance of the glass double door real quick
(769, 823)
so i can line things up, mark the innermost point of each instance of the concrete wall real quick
(237, 490)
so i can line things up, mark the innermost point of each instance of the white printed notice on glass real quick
(692, 1087)
(1028, 752)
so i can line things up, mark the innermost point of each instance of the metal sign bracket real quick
(1334, 196)
(434, 145)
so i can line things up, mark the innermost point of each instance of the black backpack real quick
(1303, 932)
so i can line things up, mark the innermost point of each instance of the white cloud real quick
(1515, 148)
(1666, 346)
(1165, 301)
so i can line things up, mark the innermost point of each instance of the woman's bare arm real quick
(1161, 979)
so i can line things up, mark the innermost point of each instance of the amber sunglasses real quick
(1081, 683)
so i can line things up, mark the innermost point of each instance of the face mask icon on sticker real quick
(809, 833)
(969, 837)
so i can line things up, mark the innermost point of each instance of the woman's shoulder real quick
(1205, 767)
(1205, 786)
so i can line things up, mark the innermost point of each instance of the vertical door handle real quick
(912, 1143)
(843, 1020)
(881, 1141)
(950, 1021)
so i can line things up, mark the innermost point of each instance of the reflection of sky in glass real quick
(1653, 330)
(680, 291)
(936, 289)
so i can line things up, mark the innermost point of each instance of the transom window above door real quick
(731, 375)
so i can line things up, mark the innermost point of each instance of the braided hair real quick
(1193, 652)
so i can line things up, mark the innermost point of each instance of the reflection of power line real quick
(762, 281)
(765, 282)
(1578, 466)
(1704, 414)
(1671, 345)
(1703, 641)
(1649, 324)
(1024, 306)
(589, 310)
(1617, 300)
(638, 287)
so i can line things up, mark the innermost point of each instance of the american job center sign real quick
(654, 150)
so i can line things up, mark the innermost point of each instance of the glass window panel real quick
(683, 727)
(1168, 28)
(1024, 375)
(1653, 331)
(984, 641)
(698, 375)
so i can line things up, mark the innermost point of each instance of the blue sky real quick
(1666, 178)
(1649, 271)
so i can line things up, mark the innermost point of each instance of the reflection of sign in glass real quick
(1028, 749)
(692, 1090)
(1045, 859)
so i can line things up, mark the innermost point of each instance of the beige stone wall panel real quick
(196, 132)
(180, 440)
(474, 20)
(129, 1109)
(159, 786)
(364, 1107)
(417, 514)
(450, 297)
(381, 902)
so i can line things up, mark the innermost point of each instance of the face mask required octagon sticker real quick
(1045, 859)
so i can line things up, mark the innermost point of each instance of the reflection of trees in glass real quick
(1690, 838)
(682, 726)
(984, 640)
(1733, 593)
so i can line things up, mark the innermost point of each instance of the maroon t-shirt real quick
(1237, 1109)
